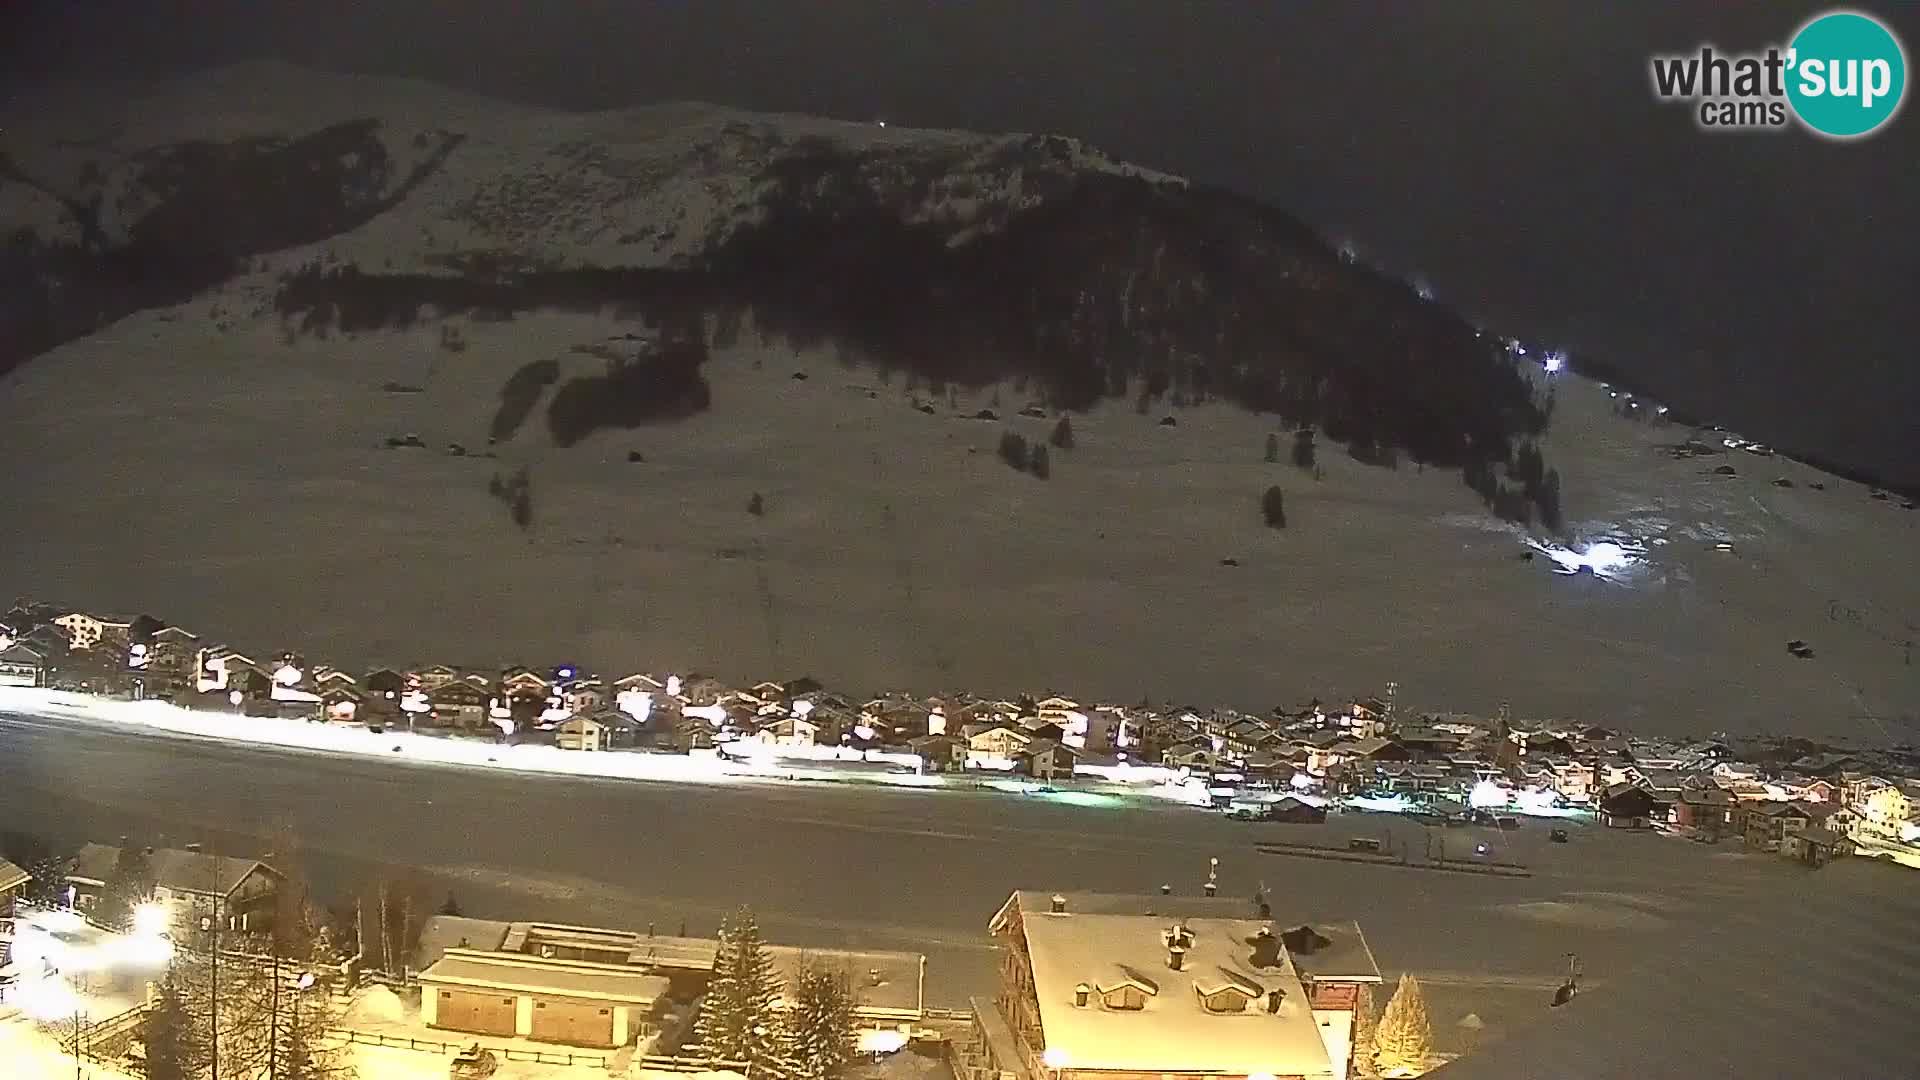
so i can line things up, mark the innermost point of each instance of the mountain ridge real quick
(243, 443)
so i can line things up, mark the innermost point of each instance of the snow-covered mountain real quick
(223, 298)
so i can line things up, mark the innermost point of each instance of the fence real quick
(431, 1046)
(105, 1043)
(668, 1063)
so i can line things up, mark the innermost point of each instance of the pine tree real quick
(295, 917)
(1405, 1036)
(1273, 448)
(1549, 501)
(1041, 464)
(1013, 450)
(1063, 434)
(737, 1022)
(1365, 1025)
(451, 907)
(167, 1032)
(819, 1022)
(128, 885)
(1273, 507)
(756, 506)
(1303, 449)
(305, 1052)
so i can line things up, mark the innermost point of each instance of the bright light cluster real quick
(1605, 558)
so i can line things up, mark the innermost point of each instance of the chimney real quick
(1266, 949)
(1273, 1000)
(149, 850)
(1080, 995)
(873, 976)
(1166, 890)
(1176, 954)
(1059, 905)
(194, 847)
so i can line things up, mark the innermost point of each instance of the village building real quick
(996, 745)
(1627, 806)
(13, 884)
(1707, 810)
(460, 704)
(1045, 759)
(22, 665)
(1765, 824)
(191, 884)
(589, 986)
(166, 665)
(1815, 845)
(1094, 988)
(86, 632)
(940, 753)
(601, 729)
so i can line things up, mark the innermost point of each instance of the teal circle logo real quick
(1846, 74)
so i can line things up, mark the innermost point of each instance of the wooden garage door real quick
(577, 1023)
(470, 1010)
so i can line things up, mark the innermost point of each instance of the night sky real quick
(1510, 153)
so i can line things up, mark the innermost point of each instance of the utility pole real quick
(273, 1016)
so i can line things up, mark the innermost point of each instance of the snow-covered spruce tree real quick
(819, 1021)
(168, 1034)
(305, 1052)
(1366, 1023)
(1405, 1037)
(737, 1020)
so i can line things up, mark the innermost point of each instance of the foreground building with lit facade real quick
(1111, 987)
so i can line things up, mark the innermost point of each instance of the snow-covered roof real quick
(886, 984)
(181, 871)
(539, 975)
(1172, 1031)
(11, 876)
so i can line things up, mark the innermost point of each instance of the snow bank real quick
(376, 1005)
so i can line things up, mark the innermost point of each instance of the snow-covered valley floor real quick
(239, 486)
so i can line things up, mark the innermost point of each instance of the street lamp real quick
(300, 986)
(210, 924)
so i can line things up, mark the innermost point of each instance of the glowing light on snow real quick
(287, 675)
(1605, 558)
(1055, 1058)
(150, 920)
(1486, 795)
(1554, 361)
(414, 701)
(712, 714)
(802, 707)
(235, 697)
(1384, 804)
(636, 703)
(1300, 782)
(564, 672)
(1534, 801)
(1662, 410)
(881, 1042)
